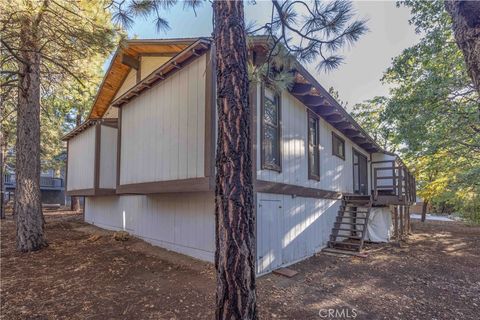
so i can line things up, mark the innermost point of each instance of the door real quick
(269, 235)
(360, 174)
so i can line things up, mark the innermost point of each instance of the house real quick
(52, 187)
(144, 160)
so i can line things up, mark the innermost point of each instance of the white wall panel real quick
(81, 158)
(335, 173)
(184, 223)
(163, 129)
(291, 229)
(108, 158)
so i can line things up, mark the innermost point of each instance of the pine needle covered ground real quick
(86, 274)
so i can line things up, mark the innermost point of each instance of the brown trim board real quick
(210, 112)
(96, 165)
(92, 192)
(294, 190)
(170, 186)
(119, 144)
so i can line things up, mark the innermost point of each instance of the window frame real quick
(311, 175)
(264, 164)
(334, 150)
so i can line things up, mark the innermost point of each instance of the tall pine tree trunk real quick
(466, 26)
(28, 205)
(75, 201)
(235, 221)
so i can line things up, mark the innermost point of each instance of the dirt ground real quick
(86, 274)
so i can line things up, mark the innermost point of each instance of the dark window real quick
(270, 131)
(313, 148)
(338, 146)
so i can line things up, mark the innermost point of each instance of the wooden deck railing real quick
(45, 182)
(392, 179)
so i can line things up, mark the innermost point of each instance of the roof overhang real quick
(118, 69)
(314, 96)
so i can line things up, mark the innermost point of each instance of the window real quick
(338, 146)
(313, 148)
(270, 131)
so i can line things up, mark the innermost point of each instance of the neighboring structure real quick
(52, 188)
(144, 160)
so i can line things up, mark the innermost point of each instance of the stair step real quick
(344, 245)
(346, 237)
(354, 211)
(344, 229)
(351, 223)
(351, 217)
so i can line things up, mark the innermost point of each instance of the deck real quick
(393, 183)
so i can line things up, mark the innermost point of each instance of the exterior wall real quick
(163, 130)
(335, 174)
(151, 63)
(81, 160)
(128, 83)
(291, 229)
(108, 158)
(184, 223)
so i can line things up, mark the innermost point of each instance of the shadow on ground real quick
(86, 274)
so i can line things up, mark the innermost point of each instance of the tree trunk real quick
(466, 26)
(75, 201)
(235, 221)
(2, 178)
(28, 205)
(424, 210)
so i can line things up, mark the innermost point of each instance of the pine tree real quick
(46, 40)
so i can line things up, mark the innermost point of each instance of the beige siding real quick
(163, 129)
(335, 173)
(129, 82)
(184, 223)
(81, 158)
(108, 158)
(150, 64)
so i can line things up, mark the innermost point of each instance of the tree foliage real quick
(433, 112)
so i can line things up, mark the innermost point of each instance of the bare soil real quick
(86, 274)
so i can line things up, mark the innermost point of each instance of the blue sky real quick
(358, 79)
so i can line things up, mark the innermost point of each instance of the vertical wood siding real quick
(108, 158)
(128, 83)
(150, 64)
(335, 173)
(291, 229)
(81, 158)
(184, 223)
(163, 130)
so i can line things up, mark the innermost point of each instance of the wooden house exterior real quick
(144, 159)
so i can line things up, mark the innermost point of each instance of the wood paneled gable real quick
(120, 67)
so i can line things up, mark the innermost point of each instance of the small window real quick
(271, 131)
(338, 146)
(313, 148)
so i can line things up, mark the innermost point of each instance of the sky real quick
(357, 80)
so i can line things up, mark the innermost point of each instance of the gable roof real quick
(117, 71)
(305, 88)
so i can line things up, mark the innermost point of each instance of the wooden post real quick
(395, 221)
(409, 226)
(402, 226)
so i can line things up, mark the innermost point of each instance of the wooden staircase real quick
(350, 227)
